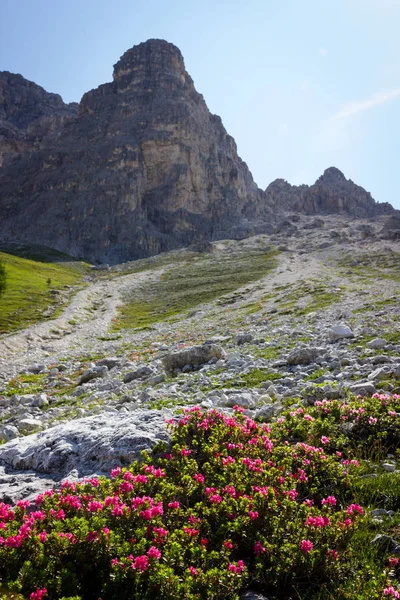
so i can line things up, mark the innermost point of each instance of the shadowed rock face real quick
(144, 168)
(332, 193)
(140, 168)
(28, 114)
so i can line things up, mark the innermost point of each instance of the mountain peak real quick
(332, 175)
(153, 56)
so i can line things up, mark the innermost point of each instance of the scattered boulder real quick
(380, 374)
(244, 399)
(36, 369)
(302, 355)
(364, 389)
(110, 362)
(93, 373)
(194, 355)
(339, 332)
(139, 373)
(377, 344)
(243, 338)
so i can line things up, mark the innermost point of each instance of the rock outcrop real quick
(332, 193)
(141, 167)
(28, 114)
(144, 168)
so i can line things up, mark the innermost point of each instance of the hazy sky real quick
(300, 84)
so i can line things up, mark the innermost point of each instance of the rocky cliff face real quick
(144, 168)
(28, 114)
(141, 167)
(332, 193)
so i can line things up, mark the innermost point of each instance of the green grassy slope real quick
(190, 284)
(35, 290)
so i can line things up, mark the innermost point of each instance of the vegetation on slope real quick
(232, 503)
(34, 289)
(191, 284)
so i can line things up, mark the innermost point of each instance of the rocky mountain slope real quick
(142, 168)
(28, 115)
(332, 193)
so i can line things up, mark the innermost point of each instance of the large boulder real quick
(193, 355)
(89, 445)
(302, 355)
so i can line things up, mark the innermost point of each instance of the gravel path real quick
(87, 317)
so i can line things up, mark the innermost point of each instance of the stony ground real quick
(79, 393)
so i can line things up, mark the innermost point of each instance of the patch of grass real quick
(315, 375)
(187, 286)
(35, 290)
(382, 490)
(267, 353)
(25, 384)
(384, 265)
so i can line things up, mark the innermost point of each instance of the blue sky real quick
(300, 84)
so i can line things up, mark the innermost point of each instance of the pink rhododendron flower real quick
(324, 440)
(236, 568)
(259, 548)
(329, 500)
(154, 552)
(306, 546)
(391, 591)
(355, 508)
(140, 563)
(38, 594)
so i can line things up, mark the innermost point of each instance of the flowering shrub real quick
(362, 424)
(232, 501)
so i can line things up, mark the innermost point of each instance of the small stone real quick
(379, 512)
(8, 432)
(389, 467)
(40, 401)
(29, 425)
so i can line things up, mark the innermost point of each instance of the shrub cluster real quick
(232, 502)
(366, 426)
